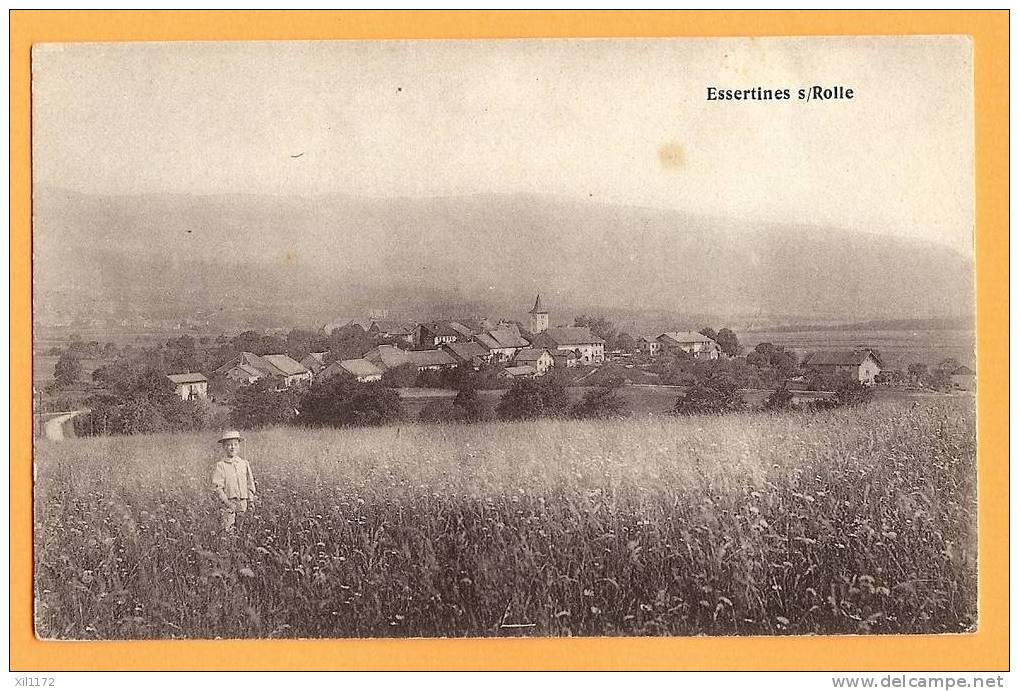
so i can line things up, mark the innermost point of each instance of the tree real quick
(138, 415)
(780, 399)
(709, 332)
(262, 405)
(67, 371)
(528, 399)
(186, 416)
(258, 343)
(468, 405)
(626, 343)
(717, 393)
(601, 403)
(851, 392)
(774, 363)
(181, 355)
(437, 411)
(917, 372)
(401, 376)
(728, 342)
(949, 365)
(300, 342)
(348, 342)
(939, 380)
(345, 402)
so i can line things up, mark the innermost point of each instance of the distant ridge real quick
(950, 323)
(316, 257)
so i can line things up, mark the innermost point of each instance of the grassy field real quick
(845, 521)
(640, 400)
(646, 400)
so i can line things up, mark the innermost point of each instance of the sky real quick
(622, 121)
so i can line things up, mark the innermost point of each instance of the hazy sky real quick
(621, 121)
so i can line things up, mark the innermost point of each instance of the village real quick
(518, 353)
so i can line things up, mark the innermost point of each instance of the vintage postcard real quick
(489, 338)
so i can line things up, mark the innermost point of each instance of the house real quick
(358, 368)
(963, 378)
(190, 386)
(387, 357)
(502, 343)
(649, 345)
(314, 362)
(538, 358)
(477, 325)
(862, 365)
(465, 331)
(590, 349)
(564, 358)
(248, 368)
(518, 372)
(290, 370)
(696, 344)
(241, 373)
(435, 334)
(384, 328)
(469, 353)
(432, 359)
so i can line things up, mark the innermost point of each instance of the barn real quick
(863, 365)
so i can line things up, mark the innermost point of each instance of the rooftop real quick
(187, 378)
(839, 357)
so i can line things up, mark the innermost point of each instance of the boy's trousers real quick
(230, 516)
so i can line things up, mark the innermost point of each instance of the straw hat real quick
(231, 434)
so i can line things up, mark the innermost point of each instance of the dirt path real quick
(55, 427)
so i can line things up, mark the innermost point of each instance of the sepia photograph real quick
(504, 338)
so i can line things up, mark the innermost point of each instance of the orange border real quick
(985, 650)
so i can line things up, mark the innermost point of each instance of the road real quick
(54, 427)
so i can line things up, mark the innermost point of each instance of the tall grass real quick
(836, 522)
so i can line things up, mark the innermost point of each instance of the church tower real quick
(539, 317)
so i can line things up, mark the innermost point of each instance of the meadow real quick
(844, 521)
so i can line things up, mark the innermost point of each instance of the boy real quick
(232, 481)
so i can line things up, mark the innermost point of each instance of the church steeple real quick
(538, 309)
(539, 317)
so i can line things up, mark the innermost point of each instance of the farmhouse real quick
(649, 345)
(503, 343)
(862, 365)
(590, 349)
(963, 378)
(392, 329)
(538, 358)
(469, 353)
(190, 386)
(290, 370)
(241, 373)
(564, 358)
(314, 362)
(435, 334)
(359, 368)
(464, 330)
(387, 357)
(696, 344)
(518, 372)
(247, 368)
(432, 359)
